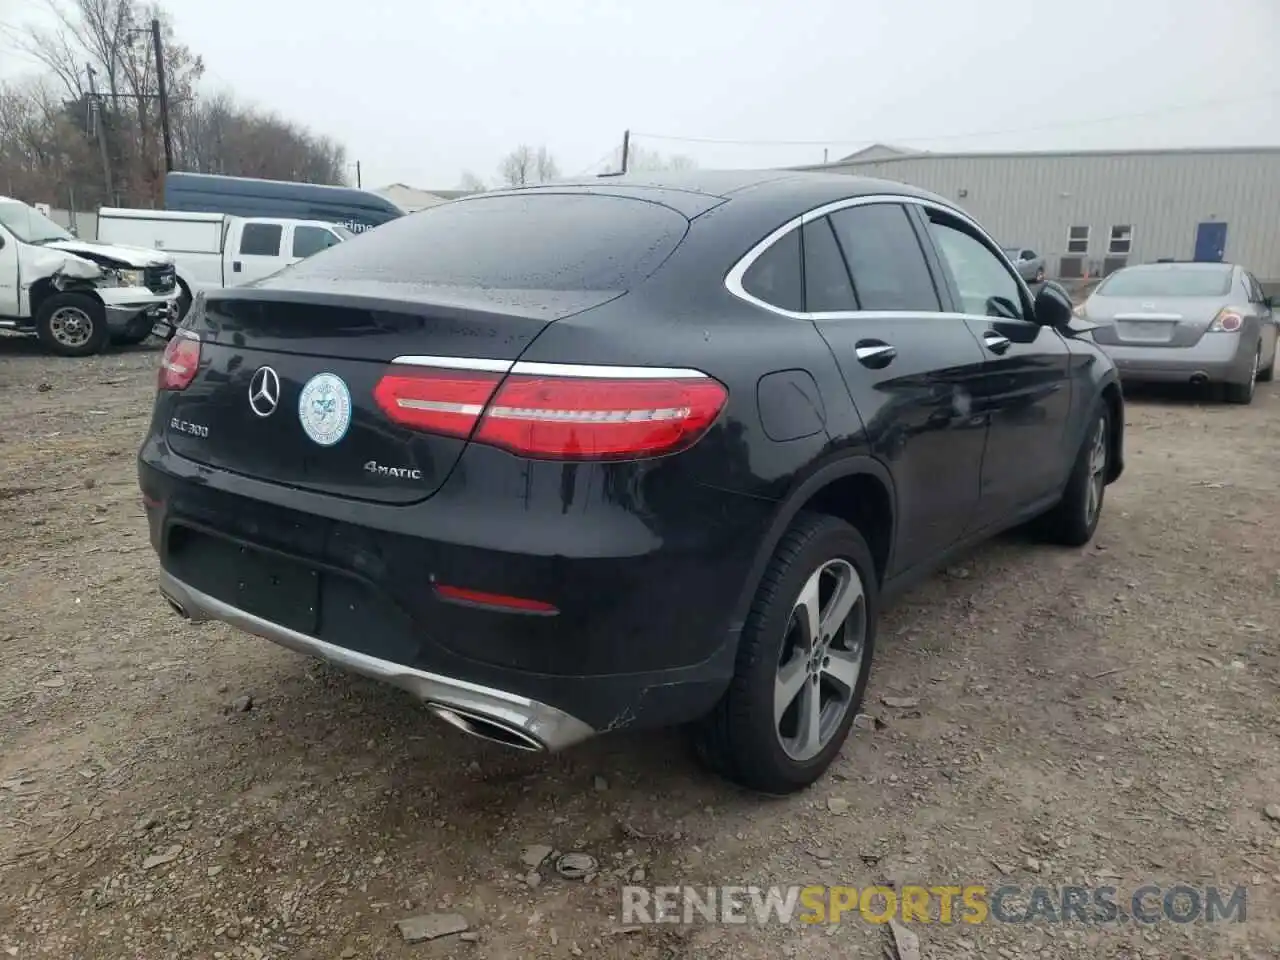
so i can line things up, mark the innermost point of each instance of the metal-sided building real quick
(1089, 213)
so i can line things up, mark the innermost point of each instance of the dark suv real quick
(624, 453)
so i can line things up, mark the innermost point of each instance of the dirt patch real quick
(1104, 716)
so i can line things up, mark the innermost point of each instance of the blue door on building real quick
(1211, 242)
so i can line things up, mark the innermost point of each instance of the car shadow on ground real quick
(1177, 394)
(19, 346)
(316, 711)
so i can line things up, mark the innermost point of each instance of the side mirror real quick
(1053, 305)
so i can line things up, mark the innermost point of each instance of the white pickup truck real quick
(215, 250)
(76, 295)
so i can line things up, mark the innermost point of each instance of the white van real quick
(215, 250)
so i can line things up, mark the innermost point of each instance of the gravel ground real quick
(1097, 716)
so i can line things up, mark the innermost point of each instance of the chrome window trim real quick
(534, 368)
(733, 279)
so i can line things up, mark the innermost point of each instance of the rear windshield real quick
(538, 241)
(1167, 282)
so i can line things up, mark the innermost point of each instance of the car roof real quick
(1206, 267)
(800, 189)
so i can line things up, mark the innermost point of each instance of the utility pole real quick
(359, 185)
(626, 148)
(100, 125)
(164, 96)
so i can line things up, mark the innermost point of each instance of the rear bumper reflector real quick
(494, 601)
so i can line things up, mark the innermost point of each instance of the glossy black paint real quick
(650, 564)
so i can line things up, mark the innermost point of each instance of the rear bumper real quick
(546, 727)
(642, 635)
(1217, 358)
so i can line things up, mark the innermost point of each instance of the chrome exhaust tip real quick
(177, 607)
(486, 728)
(1199, 379)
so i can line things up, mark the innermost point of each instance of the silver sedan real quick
(1028, 263)
(1186, 323)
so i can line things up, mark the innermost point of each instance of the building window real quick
(1121, 241)
(1078, 240)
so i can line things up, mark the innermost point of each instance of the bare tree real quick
(524, 165)
(517, 167)
(47, 128)
(545, 168)
(471, 183)
(640, 160)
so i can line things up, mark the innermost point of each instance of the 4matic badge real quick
(405, 473)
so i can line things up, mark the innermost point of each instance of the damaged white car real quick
(76, 295)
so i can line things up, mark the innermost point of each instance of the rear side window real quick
(536, 241)
(776, 275)
(826, 281)
(261, 239)
(884, 256)
(311, 240)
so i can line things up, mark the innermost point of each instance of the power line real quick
(963, 136)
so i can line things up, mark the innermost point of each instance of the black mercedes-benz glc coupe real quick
(623, 453)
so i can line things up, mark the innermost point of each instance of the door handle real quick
(995, 342)
(235, 266)
(874, 353)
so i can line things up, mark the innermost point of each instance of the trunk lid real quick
(285, 390)
(1151, 321)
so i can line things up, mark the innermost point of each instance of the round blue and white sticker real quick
(324, 407)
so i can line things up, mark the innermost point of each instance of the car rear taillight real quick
(446, 402)
(180, 362)
(602, 416)
(1228, 320)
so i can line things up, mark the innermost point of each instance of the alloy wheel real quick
(71, 327)
(821, 660)
(1097, 469)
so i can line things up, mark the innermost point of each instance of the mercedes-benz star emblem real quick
(264, 392)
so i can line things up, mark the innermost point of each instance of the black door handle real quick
(875, 354)
(995, 342)
(235, 266)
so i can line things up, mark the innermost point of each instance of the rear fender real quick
(816, 478)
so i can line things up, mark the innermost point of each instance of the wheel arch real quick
(44, 288)
(1113, 397)
(858, 489)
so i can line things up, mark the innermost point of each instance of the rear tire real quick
(797, 689)
(1243, 392)
(1074, 519)
(1268, 373)
(72, 325)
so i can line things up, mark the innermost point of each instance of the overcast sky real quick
(421, 90)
